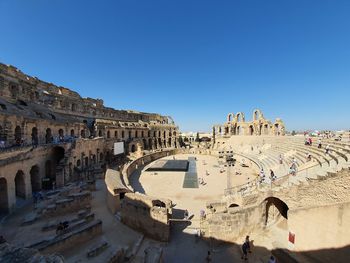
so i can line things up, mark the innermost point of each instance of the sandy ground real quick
(169, 184)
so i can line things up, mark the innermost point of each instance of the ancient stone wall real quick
(237, 125)
(304, 208)
(50, 135)
(148, 215)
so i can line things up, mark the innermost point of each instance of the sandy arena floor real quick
(169, 184)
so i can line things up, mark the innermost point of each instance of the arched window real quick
(116, 134)
(108, 134)
(18, 135)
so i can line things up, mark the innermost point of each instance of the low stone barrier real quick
(69, 240)
(73, 202)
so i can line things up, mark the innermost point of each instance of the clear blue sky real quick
(193, 60)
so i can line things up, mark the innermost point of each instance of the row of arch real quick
(240, 117)
(136, 134)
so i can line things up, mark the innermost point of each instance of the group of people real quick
(262, 176)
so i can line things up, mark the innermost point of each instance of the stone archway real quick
(276, 129)
(35, 178)
(48, 136)
(20, 186)
(133, 148)
(35, 139)
(18, 135)
(4, 206)
(145, 146)
(150, 144)
(275, 209)
(251, 130)
(266, 129)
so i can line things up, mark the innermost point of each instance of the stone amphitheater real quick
(68, 195)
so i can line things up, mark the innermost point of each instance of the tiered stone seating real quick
(266, 152)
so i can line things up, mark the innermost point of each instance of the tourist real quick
(262, 175)
(197, 235)
(206, 172)
(208, 258)
(186, 214)
(272, 259)
(281, 159)
(202, 214)
(327, 149)
(319, 142)
(310, 141)
(272, 176)
(308, 157)
(246, 248)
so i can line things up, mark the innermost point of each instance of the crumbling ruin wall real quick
(317, 212)
(147, 215)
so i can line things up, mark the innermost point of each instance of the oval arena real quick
(82, 182)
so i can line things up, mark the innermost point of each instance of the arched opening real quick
(266, 129)
(108, 134)
(239, 130)
(142, 134)
(145, 146)
(159, 142)
(86, 161)
(115, 134)
(251, 130)
(230, 117)
(35, 140)
(169, 142)
(233, 205)
(72, 132)
(154, 134)
(20, 186)
(94, 159)
(101, 158)
(18, 135)
(226, 130)
(133, 148)
(150, 146)
(4, 207)
(57, 154)
(35, 178)
(78, 163)
(158, 133)
(123, 134)
(158, 203)
(48, 136)
(129, 134)
(276, 129)
(275, 209)
(164, 134)
(60, 135)
(100, 133)
(260, 129)
(82, 133)
(239, 117)
(136, 134)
